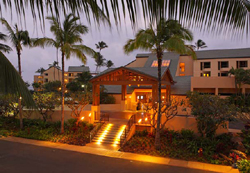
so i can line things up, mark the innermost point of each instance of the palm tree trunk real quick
(20, 97)
(57, 63)
(157, 135)
(54, 72)
(62, 114)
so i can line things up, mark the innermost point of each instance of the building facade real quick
(55, 74)
(206, 74)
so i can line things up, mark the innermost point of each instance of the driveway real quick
(17, 157)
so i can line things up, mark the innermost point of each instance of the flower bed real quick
(185, 145)
(47, 131)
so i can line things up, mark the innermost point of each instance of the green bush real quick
(244, 166)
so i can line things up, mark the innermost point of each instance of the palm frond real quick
(42, 42)
(12, 83)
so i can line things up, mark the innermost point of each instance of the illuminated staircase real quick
(109, 134)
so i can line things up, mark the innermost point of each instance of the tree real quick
(101, 45)
(53, 86)
(37, 85)
(189, 11)
(167, 36)
(109, 63)
(241, 77)
(18, 38)
(4, 47)
(168, 109)
(200, 44)
(77, 103)
(40, 70)
(74, 86)
(46, 103)
(210, 112)
(69, 36)
(100, 61)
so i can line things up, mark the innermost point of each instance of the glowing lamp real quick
(129, 85)
(139, 121)
(89, 114)
(146, 119)
(82, 118)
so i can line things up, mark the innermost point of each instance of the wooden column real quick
(168, 93)
(96, 95)
(124, 92)
(154, 93)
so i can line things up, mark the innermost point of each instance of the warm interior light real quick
(129, 85)
(146, 119)
(139, 121)
(207, 75)
(82, 118)
(163, 97)
(60, 88)
(89, 114)
(204, 75)
(129, 97)
(138, 85)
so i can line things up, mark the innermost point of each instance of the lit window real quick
(165, 63)
(65, 74)
(141, 97)
(182, 67)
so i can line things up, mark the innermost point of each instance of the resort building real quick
(55, 74)
(137, 81)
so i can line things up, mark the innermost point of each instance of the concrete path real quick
(183, 166)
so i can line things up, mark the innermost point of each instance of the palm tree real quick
(109, 63)
(101, 45)
(40, 70)
(167, 36)
(19, 38)
(200, 44)
(210, 15)
(4, 47)
(100, 61)
(69, 36)
(55, 65)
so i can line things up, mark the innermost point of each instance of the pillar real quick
(154, 93)
(95, 108)
(168, 93)
(216, 91)
(243, 90)
(124, 97)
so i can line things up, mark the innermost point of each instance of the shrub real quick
(210, 112)
(244, 166)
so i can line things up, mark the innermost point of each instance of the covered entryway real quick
(125, 77)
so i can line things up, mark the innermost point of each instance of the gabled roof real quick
(150, 72)
(78, 68)
(57, 67)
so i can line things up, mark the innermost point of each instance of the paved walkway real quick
(126, 156)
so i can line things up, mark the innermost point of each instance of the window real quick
(224, 64)
(165, 63)
(242, 64)
(224, 74)
(46, 80)
(71, 74)
(206, 74)
(207, 65)
(46, 74)
(182, 67)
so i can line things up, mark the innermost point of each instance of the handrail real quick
(127, 129)
(104, 117)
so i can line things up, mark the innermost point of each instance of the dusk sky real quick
(34, 58)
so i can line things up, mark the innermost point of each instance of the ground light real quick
(104, 133)
(118, 136)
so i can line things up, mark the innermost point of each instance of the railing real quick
(95, 130)
(126, 131)
(104, 117)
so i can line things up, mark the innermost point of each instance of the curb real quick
(126, 156)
